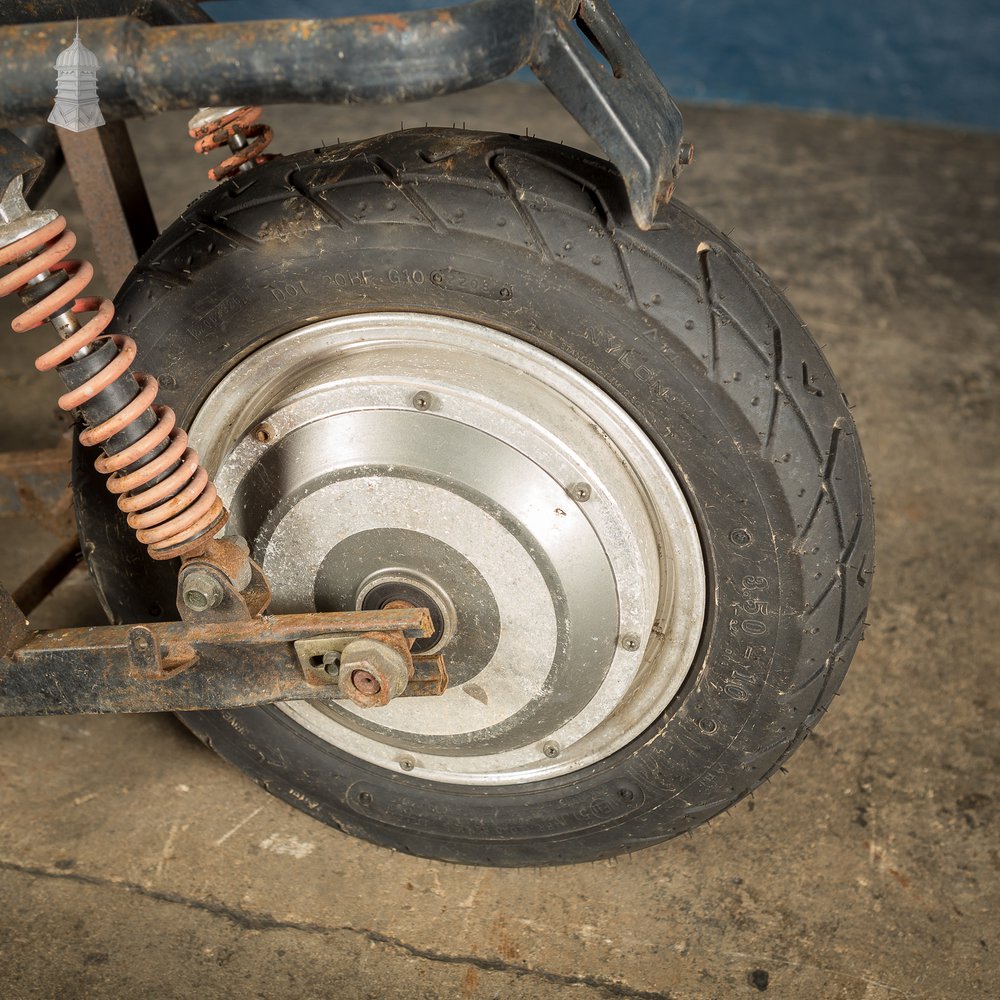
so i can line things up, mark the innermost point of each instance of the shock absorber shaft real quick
(170, 502)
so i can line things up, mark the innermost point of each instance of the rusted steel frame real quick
(621, 103)
(376, 58)
(61, 562)
(158, 667)
(36, 484)
(111, 192)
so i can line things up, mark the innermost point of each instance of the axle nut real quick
(372, 673)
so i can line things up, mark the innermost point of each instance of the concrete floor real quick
(133, 862)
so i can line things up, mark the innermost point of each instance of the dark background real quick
(918, 60)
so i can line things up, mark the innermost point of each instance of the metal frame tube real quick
(374, 59)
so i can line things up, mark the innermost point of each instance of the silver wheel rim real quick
(362, 451)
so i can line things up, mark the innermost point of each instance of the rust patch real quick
(381, 23)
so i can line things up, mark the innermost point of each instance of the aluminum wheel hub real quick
(371, 457)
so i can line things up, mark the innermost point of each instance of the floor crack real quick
(247, 920)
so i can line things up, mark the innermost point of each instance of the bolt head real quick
(422, 401)
(551, 749)
(201, 591)
(630, 642)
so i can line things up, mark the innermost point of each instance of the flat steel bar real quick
(111, 192)
(158, 668)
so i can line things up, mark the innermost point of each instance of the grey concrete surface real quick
(133, 862)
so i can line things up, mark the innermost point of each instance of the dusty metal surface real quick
(379, 58)
(160, 666)
(111, 192)
(36, 484)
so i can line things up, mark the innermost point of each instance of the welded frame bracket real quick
(620, 102)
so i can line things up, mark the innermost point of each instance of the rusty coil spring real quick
(173, 516)
(241, 122)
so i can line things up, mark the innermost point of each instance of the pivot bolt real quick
(202, 591)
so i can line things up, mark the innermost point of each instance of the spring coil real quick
(174, 517)
(239, 124)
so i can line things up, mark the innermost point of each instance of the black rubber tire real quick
(676, 324)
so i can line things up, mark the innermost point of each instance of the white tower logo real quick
(76, 105)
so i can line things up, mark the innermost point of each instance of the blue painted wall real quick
(922, 60)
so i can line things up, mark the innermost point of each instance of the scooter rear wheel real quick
(446, 365)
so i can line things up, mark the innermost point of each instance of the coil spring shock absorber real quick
(237, 128)
(168, 497)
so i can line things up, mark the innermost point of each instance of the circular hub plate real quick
(552, 538)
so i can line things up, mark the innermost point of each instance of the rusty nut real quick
(372, 673)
